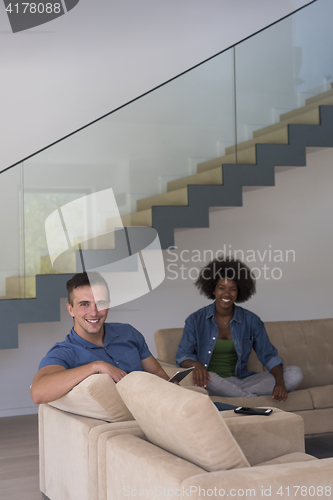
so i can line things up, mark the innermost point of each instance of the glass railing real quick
(210, 115)
(12, 273)
(281, 67)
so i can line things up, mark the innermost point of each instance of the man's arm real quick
(54, 381)
(280, 392)
(151, 365)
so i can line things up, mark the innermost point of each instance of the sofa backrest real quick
(182, 422)
(307, 344)
(167, 342)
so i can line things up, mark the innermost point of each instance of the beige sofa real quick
(91, 448)
(307, 344)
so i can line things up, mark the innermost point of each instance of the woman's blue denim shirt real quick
(247, 332)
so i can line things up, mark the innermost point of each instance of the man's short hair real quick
(85, 279)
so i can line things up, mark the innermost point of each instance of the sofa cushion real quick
(182, 422)
(322, 397)
(290, 458)
(95, 397)
(266, 438)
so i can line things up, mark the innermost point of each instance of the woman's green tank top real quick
(224, 358)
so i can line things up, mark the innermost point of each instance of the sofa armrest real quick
(70, 453)
(298, 480)
(263, 438)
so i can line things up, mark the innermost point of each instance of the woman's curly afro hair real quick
(226, 267)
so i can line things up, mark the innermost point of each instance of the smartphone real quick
(253, 411)
(178, 376)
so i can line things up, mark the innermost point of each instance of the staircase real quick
(218, 183)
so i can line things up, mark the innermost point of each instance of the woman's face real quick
(225, 292)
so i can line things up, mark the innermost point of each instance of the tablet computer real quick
(178, 376)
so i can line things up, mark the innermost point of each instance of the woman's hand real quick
(280, 392)
(200, 373)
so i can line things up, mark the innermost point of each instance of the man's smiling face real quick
(89, 310)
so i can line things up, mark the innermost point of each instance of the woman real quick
(218, 338)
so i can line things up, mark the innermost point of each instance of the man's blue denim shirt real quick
(247, 332)
(124, 347)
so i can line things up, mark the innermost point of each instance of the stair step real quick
(20, 288)
(141, 218)
(246, 157)
(47, 268)
(171, 198)
(278, 136)
(319, 97)
(101, 242)
(66, 263)
(308, 117)
(291, 115)
(215, 163)
(278, 132)
(209, 177)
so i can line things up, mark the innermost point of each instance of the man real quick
(92, 346)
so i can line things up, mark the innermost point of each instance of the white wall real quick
(60, 76)
(295, 214)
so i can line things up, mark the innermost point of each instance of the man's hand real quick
(280, 392)
(115, 373)
(200, 373)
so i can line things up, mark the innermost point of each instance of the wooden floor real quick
(19, 456)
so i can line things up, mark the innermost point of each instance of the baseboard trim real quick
(16, 412)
